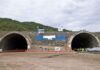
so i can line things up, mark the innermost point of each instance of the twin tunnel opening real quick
(84, 41)
(16, 41)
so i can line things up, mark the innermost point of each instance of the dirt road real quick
(49, 61)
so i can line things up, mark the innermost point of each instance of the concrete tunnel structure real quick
(14, 41)
(20, 41)
(83, 40)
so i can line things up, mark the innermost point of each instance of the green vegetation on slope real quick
(13, 25)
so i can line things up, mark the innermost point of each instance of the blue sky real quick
(69, 14)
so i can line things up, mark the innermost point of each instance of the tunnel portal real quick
(84, 40)
(14, 42)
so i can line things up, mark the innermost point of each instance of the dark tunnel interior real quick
(83, 40)
(14, 42)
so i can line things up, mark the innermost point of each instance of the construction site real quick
(49, 51)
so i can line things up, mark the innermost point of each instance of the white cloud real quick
(69, 14)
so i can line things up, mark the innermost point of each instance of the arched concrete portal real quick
(84, 40)
(14, 41)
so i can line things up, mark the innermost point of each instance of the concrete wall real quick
(37, 45)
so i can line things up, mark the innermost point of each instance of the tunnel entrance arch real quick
(14, 42)
(83, 41)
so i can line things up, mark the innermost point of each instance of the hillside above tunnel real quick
(7, 24)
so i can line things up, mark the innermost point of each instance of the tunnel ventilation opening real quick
(83, 41)
(14, 42)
